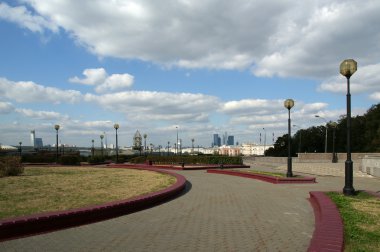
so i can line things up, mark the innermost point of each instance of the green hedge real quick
(96, 159)
(69, 160)
(188, 159)
(39, 158)
(10, 166)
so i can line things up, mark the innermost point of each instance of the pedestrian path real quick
(217, 213)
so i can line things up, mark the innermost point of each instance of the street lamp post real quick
(265, 139)
(334, 156)
(176, 148)
(289, 103)
(347, 68)
(168, 147)
(93, 148)
(192, 146)
(145, 135)
(101, 144)
(56, 127)
(116, 126)
(20, 143)
(326, 131)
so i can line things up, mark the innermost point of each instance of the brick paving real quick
(218, 213)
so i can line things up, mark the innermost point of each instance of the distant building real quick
(217, 140)
(33, 138)
(230, 140)
(251, 149)
(137, 141)
(38, 143)
(229, 151)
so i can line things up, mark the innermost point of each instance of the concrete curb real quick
(329, 230)
(270, 179)
(45, 222)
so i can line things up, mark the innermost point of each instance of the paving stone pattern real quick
(218, 213)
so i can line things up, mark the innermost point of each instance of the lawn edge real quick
(18, 227)
(266, 178)
(329, 229)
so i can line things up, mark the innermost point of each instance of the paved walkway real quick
(218, 213)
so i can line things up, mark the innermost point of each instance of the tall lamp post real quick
(145, 135)
(56, 127)
(116, 126)
(334, 156)
(101, 144)
(168, 147)
(192, 146)
(20, 143)
(93, 148)
(347, 68)
(289, 103)
(176, 148)
(326, 131)
(265, 139)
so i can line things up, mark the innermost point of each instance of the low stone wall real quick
(327, 157)
(371, 164)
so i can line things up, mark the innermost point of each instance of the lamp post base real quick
(289, 172)
(348, 186)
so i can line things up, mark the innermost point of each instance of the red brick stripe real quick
(329, 230)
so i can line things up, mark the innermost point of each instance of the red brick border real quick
(45, 222)
(270, 179)
(329, 230)
(175, 167)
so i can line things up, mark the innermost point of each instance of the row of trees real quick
(365, 136)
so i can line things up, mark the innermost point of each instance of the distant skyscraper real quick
(33, 138)
(230, 140)
(225, 138)
(216, 140)
(137, 141)
(38, 143)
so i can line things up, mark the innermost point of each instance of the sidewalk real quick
(218, 213)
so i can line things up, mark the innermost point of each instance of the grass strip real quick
(45, 189)
(361, 218)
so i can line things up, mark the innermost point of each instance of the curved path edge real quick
(270, 179)
(329, 230)
(46, 222)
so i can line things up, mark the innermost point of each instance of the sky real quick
(198, 67)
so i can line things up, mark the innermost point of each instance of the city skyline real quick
(192, 67)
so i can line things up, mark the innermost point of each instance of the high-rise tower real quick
(33, 138)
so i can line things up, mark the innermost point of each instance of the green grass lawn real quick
(361, 217)
(42, 189)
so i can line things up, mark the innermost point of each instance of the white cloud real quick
(104, 83)
(283, 38)
(375, 96)
(28, 91)
(94, 76)
(6, 107)
(42, 115)
(163, 106)
(366, 79)
(24, 18)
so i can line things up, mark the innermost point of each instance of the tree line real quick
(365, 136)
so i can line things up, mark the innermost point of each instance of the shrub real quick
(96, 159)
(10, 166)
(69, 160)
(202, 159)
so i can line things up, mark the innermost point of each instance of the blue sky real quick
(203, 66)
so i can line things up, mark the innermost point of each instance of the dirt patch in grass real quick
(43, 189)
(361, 218)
